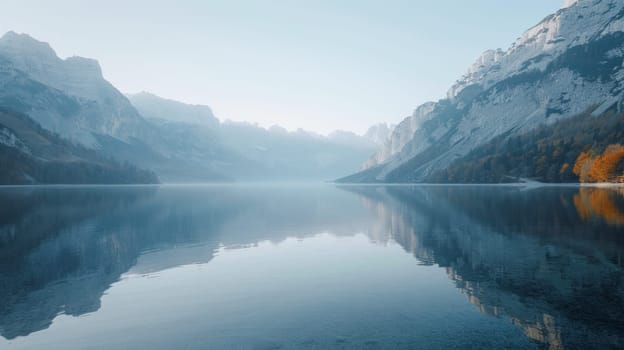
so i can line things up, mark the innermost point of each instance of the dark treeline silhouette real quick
(15, 165)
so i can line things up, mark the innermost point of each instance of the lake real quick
(311, 267)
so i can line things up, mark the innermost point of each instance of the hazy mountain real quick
(152, 106)
(179, 142)
(567, 64)
(352, 139)
(379, 133)
(256, 153)
(72, 99)
(298, 155)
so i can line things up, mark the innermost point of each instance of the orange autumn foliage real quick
(602, 168)
(583, 165)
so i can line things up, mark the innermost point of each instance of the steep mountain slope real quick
(90, 103)
(31, 155)
(569, 62)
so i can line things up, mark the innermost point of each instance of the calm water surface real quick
(311, 267)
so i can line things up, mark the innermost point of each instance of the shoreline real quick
(531, 184)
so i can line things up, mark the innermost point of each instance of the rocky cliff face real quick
(75, 75)
(379, 133)
(401, 135)
(568, 63)
(72, 97)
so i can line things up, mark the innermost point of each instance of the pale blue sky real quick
(318, 65)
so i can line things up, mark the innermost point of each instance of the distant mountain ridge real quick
(156, 107)
(179, 142)
(257, 153)
(568, 63)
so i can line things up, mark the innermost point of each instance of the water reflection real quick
(548, 260)
(57, 255)
(528, 255)
(601, 204)
(61, 249)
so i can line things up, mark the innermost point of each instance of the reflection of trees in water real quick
(524, 254)
(600, 204)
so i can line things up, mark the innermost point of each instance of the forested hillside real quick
(30, 154)
(583, 148)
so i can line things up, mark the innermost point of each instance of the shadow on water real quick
(549, 260)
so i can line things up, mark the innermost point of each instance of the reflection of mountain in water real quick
(53, 257)
(550, 260)
(525, 254)
(61, 249)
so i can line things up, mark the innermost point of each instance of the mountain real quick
(298, 155)
(160, 108)
(569, 63)
(379, 133)
(69, 97)
(252, 153)
(72, 99)
(179, 142)
(30, 154)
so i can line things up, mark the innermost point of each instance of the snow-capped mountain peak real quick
(578, 22)
(568, 63)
